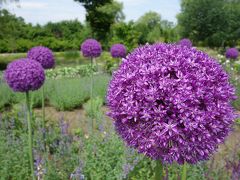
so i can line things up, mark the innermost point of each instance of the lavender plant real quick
(171, 103)
(25, 75)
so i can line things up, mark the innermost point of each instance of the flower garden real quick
(116, 100)
(162, 111)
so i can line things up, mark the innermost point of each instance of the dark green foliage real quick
(105, 23)
(126, 34)
(210, 22)
(147, 24)
(17, 36)
(101, 14)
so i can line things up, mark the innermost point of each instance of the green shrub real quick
(70, 72)
(93, 109)
(68, 94)
(7, 96)
(7, 58)
(71, 54)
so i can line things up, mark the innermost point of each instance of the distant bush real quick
(69, 72)
(71, 54)
(7, 58)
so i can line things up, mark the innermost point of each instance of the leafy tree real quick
(101, 14)
(150, 26)
(12, 28)
(18, 36)
(211, 22)
(126, 34)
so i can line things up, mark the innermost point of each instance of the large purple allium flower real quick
(43, 55)
(232, 53)
(118, 51)
(24, 75)
(171, 103)
(185, 42)
(91, 48)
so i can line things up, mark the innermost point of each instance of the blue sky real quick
(43, 11)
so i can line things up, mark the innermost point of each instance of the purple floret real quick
(185, 42)
(91, 48)
(24, 75)
(232, 53)
(118, 51)
(171, 103)
(43, 55)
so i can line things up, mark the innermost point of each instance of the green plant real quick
(7, 97)
(68, 94)
(71, 54)
(70, 72)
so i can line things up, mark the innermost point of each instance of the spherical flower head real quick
(232, 53)
(171, 103)
(43, 55)
(185, 42)
(91, 48)
(24, 75)
(118, 51)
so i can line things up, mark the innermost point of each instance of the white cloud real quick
(33, 5)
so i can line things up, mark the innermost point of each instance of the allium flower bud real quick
(232, 53)
(118, 51)
(24, 75)
(91, 48)
(185, 42)
(43, 55)
(171, 103)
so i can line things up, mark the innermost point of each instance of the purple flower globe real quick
(232, 53)
(24, 75)
(118, 51)
(171, 103)
(185, 42)
(91, 48)
(43, 55)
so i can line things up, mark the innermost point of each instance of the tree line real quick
(214, 23)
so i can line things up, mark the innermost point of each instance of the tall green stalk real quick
(159, 170)
(184, 171)
(43, 117)
(91, 95)
(30, 140)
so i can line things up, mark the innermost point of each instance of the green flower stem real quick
(184, 171)
(43, 117)
(91, 95)
(30, 141)
(159, 170)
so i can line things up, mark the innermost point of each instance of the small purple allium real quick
(91, 48)
(171, 103)
(24, 75)
(118, 51)
(43, 55)
(185, 42)
(232, 53)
